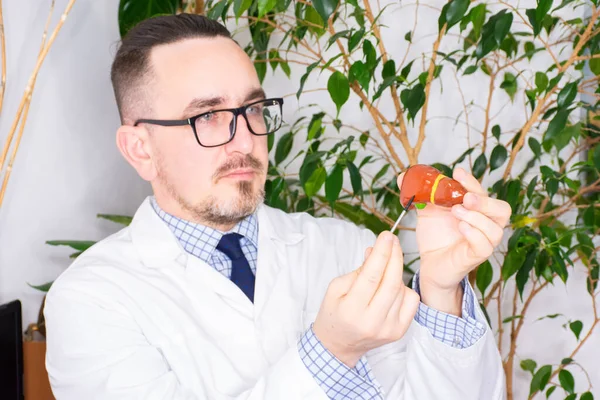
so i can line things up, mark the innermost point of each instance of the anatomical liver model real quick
(429, 185)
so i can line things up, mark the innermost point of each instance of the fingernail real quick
(471, 198)
(460, 210)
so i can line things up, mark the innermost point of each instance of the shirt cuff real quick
(337, 380)
(450, 329)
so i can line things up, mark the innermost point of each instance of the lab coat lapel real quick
(276, 318)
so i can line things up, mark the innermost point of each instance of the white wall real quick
(69, 169)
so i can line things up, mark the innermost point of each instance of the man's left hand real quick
(454, 241)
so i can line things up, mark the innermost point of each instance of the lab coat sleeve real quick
(95, 350)
(422, 367)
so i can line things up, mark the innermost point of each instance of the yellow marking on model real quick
(434, 188)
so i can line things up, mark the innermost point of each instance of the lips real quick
(240, 173)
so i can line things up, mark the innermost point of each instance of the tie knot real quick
(230, 246)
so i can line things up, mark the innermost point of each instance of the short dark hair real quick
(131, 65)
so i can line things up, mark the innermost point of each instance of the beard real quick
(218, 210)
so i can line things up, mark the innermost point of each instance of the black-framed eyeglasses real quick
(216, 128)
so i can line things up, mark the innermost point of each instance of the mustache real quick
(236, 163)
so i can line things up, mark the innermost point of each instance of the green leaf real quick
(559, 266)
(596, 157)
(360, 72)
(576, 327)
(389, 69)
(370, 54)
(453, 13)
(413, 99)
(540, 379)
(557, 124)
(523, 273)
(355, 178)
(325, 8)
(43, 288)
(502, 26)
(587, 396)
(496, 131)
(550, 390)
(567, 95)
(529, 48)
(531, 187)
(405, 71)
(511, 318)
(566, 361)
(284, 146)
(305, 76)
(339, 89)
(132, 12)
(509, 85)
(316, 180)
(363, 139)
(594, 65)
(542, 9)
(541, 81)
(484, 276)
(535, 147)
(240, 7)
(477, 16)
(470, 69)
(528, 365)
(408, 36)
(479, 166)
(264, 6)
(498, 157)
(512, 263)
(535, 23)
(355, 39)
(380, 174)
(420, 206)
(566, 381)
(80, 245)
(333, 183)
(338, 35)
(119, 219)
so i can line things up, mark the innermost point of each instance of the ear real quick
(134, 144)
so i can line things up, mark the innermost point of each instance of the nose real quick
(243, 139)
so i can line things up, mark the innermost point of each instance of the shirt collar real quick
(202, 240)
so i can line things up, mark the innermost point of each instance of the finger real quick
(394, 310)
(468, 181)
(492, 231)
(391, 284)
(498, 210)
(478, 247)
(410, 304)
(399, 179)
(368, 251)
(340, 286)
(372, 270)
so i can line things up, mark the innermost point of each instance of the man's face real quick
(216, 186)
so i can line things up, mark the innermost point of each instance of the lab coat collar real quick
(158, 247)
(273, 224)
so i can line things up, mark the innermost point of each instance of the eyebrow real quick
(200, 103)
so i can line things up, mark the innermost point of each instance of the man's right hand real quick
(369, 307)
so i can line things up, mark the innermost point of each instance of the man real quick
(210, 294)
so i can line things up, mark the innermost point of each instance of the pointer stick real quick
(402, 214)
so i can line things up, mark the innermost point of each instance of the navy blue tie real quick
(241, 273)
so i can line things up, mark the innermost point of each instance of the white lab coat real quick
(136, 317)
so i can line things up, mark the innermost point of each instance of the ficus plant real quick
(540, 63)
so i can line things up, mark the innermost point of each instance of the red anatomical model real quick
(429, 185)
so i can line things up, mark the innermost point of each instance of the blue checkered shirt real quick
(336, 379)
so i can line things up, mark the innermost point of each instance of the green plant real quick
(538, 62)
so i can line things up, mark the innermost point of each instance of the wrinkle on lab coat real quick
(136, 317)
